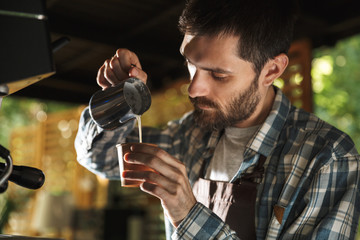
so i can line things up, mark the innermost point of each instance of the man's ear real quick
(274, 68)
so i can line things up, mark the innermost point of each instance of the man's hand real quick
(122, 65)
(169, 183)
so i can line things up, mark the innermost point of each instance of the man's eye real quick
(218, 77)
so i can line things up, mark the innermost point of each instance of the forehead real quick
(215, 54)
(214, 48)
(220, 43)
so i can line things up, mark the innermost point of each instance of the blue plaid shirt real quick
(311, 172)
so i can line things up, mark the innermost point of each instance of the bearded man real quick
(245, 164)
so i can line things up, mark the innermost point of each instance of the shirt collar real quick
(265, 139)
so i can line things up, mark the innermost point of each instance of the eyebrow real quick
(217, 70)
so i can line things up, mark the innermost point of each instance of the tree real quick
(336, 76)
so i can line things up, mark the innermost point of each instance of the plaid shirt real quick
(311, 172)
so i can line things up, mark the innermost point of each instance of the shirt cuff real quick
(200, 223)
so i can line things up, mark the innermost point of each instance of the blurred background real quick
(38, 123)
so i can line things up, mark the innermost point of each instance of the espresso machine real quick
(25, 58)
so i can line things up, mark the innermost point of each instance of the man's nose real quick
(199, 85)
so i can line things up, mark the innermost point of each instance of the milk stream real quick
(138, 119)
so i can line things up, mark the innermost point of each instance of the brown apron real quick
(234, 203)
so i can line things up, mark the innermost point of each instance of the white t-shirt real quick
(229, 153)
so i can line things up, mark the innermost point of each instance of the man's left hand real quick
(169, 183)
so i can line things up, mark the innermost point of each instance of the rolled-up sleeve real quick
(95, 147)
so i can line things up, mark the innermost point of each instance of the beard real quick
(240, 108)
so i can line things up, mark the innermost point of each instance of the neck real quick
(261, 112)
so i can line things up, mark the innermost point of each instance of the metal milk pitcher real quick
(112, 107)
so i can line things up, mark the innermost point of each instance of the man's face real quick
(223, 87)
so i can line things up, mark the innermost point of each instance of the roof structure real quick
(149, 28)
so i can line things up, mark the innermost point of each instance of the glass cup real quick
(122, 149)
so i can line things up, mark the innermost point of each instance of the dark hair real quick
(265, 27)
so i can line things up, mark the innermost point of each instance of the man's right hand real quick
(122, 65)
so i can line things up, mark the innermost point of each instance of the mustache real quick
(202, 101)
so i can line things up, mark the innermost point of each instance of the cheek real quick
(225, 95)
(222, 96)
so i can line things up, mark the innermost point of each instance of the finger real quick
(138, 73)
(173, 173)
(127, 58)
(131, 64)
(152, 177)
(154, 190)
(136, 175)
(116, 68)
(100, 79)
(156, 151)
(109, 74)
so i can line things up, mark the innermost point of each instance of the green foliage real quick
(336, 77)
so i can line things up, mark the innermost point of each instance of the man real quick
(245, 163)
